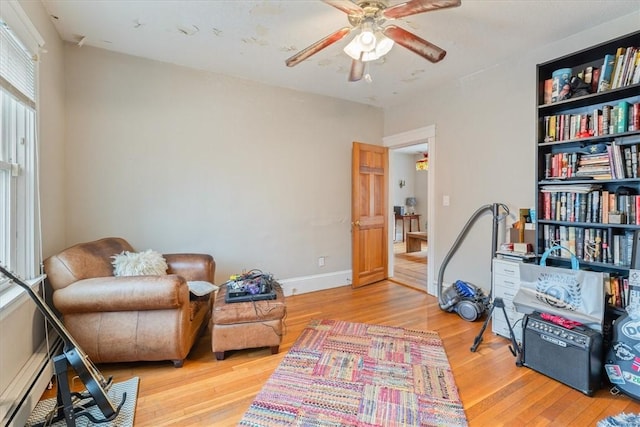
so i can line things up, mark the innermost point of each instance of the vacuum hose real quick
(496, 218)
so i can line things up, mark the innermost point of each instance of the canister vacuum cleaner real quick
(466, 299)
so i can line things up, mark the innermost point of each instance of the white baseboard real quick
(317, 282)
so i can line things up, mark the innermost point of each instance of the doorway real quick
(411, 267)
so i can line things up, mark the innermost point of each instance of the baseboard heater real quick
(38, 371)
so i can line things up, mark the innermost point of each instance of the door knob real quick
(357, 223)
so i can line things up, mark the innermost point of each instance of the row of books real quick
(621, 69)
(618, 291)
(608, 120)
(590, 244)
(615, 70)
(611, 161)
(597, 206)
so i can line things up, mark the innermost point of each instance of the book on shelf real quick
(627, 162)
(634, 120)
(623, 116)
(613, 202)
(605, 74)
(605, 247)
(635, 79)
(547, 89)
(630, 65)
(596, 122)
(595, 78)
(571, 239)
(595, 207)
(579, 242)
(613, 120)
(617, 67)
(617, 165)
(627, 65)
(606, 119)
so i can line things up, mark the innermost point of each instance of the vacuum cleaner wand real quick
(495, 209)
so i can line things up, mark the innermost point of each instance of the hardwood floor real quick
(494, 391)
(410, 268)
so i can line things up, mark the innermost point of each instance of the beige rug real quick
(46, 409)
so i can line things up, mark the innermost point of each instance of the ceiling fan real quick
(375, 40)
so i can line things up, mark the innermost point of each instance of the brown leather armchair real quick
(133, 318)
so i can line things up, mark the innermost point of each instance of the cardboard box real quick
(529, 236)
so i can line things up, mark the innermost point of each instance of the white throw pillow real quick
(147, 263)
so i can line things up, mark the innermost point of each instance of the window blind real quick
(17, 68)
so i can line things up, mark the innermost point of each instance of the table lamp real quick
(411, 203)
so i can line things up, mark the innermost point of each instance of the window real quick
(19, 216)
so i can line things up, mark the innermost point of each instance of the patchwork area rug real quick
(355, 374)
(45, 408)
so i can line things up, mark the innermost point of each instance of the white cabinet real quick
(506, 282)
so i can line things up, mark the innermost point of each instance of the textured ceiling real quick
(252, 39)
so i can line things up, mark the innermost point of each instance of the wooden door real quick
(369, 184)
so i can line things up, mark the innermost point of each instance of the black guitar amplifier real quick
(571, 356)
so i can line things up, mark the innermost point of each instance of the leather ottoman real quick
(252, 324)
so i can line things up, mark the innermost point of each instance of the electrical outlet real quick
(321, 261)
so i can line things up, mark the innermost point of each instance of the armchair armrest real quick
(124, 293)
(192, 266)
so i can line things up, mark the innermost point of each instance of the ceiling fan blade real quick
(414, 43)
(357, 70)
(317, 46)
(413, 7)
(346, 6)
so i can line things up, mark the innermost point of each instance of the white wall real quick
(403, 167)
(51, 80)
(421, 179)
(175, 159)
(486, 146)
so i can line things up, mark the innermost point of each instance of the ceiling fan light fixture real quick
(383, 45)
(367, 41)
(369, 51)
(353, 49)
